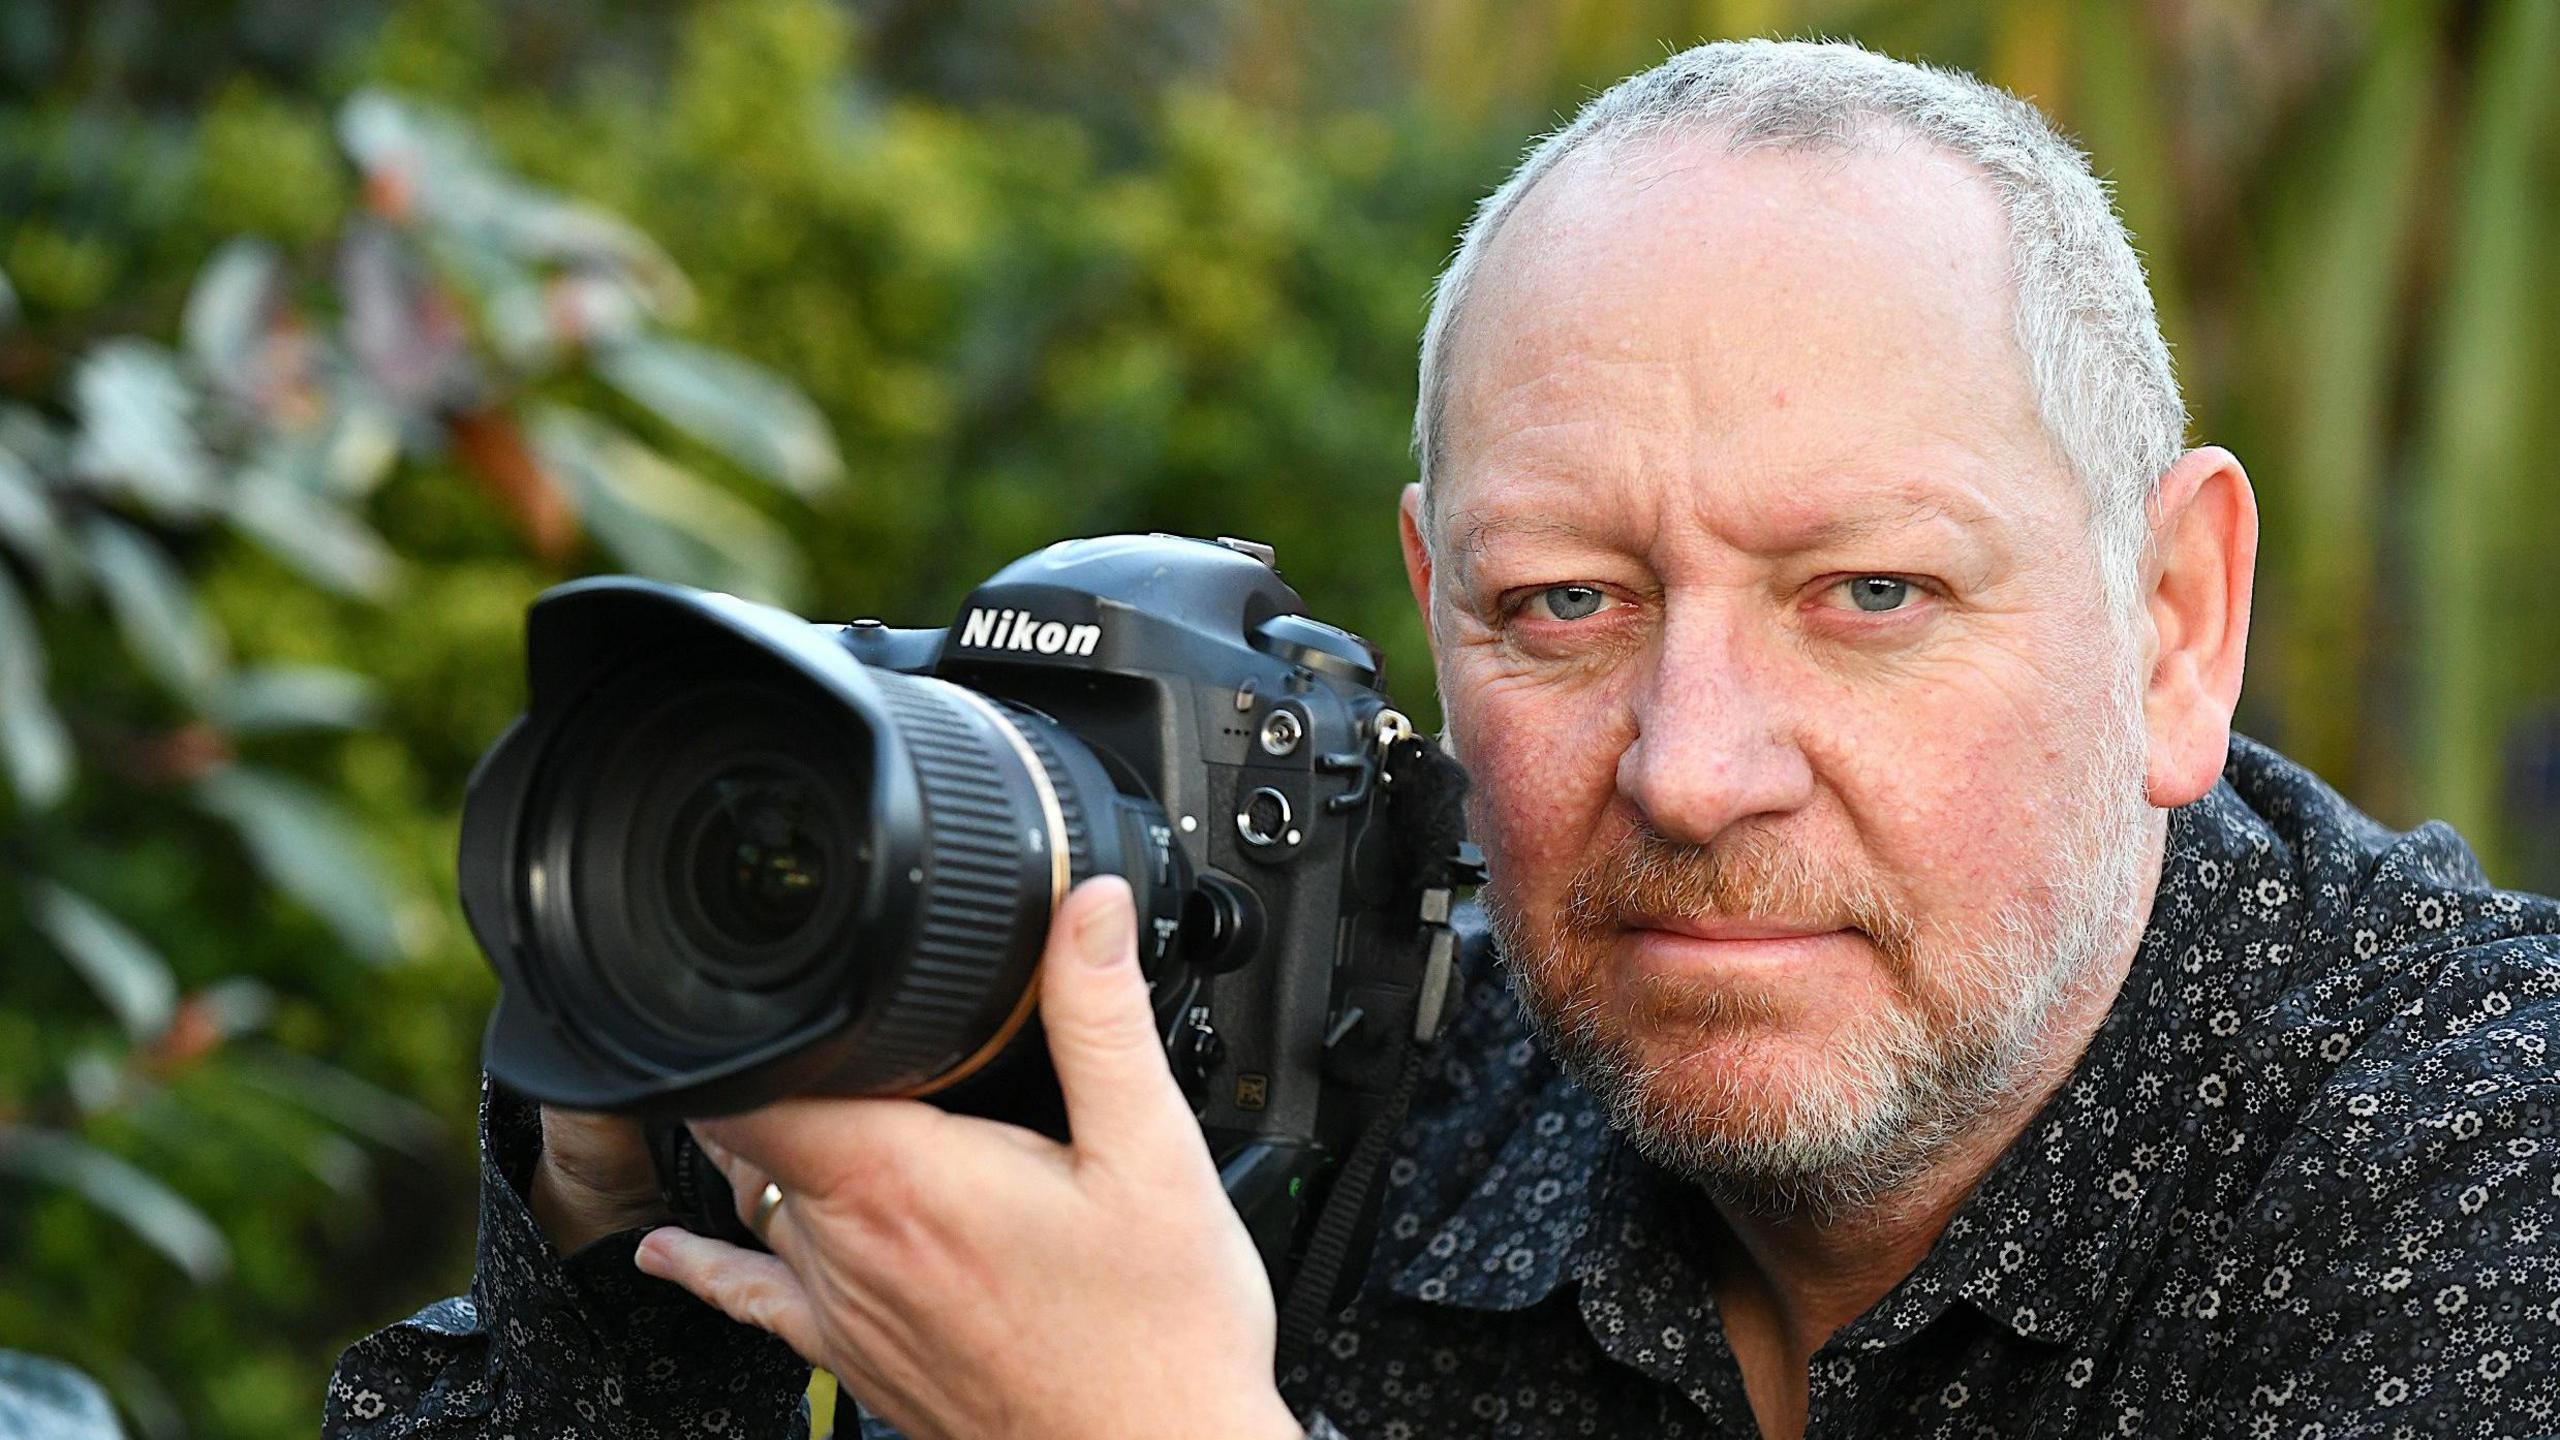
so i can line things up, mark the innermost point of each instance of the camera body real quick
(1261, 735)
(728, 855)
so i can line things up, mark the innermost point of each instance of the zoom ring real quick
(1070, 796)
(979, 806)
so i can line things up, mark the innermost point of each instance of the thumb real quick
(1119, 1091)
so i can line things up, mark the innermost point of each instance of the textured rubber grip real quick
(1070, 796)
(984, 898)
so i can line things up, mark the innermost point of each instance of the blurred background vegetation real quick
(331, 334)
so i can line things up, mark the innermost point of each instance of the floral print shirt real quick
(2305, 1182)
(577, 1348)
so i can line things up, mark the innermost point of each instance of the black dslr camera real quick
(729, 855)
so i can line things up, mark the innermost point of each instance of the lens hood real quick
(584, 845)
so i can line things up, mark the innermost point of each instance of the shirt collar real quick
(1520, 1231)
(2110, 1149)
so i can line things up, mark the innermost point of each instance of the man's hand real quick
(594, 1179)
(966, 1278)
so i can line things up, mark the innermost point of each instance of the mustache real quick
(1744, 874)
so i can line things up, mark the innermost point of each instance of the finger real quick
(746, 1179)
(819, 1144)
(749, 1287)
(1120, 1093)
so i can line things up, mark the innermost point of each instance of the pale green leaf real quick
(237, 1005)
(744, 411)
(310, 849)
(455, 189)
(154, 609)
(659, 519)
(228, 309)
(342, 1098)
(361, 444)
(33, 745)
(29, 526)
(265, 699)
(310, 532)
(137, 435)
(121, 966)
(163, 1218)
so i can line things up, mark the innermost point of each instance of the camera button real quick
(1264, 819)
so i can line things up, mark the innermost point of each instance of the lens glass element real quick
(755, 856)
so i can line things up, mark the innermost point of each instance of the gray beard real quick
(1889, 1107)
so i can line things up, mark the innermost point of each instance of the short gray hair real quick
(2084, 321)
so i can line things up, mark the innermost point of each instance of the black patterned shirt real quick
(2305, 1182)
(581, 1348)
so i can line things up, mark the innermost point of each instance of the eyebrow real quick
(1472, 538)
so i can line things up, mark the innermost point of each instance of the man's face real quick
(1808, 753)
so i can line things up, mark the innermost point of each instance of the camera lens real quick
(755, 857)
(722, 861)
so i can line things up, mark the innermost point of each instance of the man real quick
(1928, 1019)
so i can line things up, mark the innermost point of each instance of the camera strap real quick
(1425, 788)
(1344, 1221)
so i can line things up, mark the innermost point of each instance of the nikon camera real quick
(728, 855)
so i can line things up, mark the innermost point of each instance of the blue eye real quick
(1875, 593)
(1572, 602)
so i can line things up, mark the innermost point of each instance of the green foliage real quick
(216, 862)
(314, 391)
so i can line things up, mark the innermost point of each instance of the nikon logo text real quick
(1024, 631)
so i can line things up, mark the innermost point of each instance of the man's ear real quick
(1417, 559)
(2204, 562)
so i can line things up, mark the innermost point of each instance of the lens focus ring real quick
(985, 898)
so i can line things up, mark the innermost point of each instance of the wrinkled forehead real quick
(1813, 317)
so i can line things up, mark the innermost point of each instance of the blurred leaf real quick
(265, 699)
(8, 302)
(744, 411)
(238, 1005)
(164, 1219)
(100, 1079)
(309, 849)
(517, 316)
(153, 607)
(658, 518)
(335, 1095)
(121, 966)
(142, 1395)
(424, 165)
(599, 309)
(493, 451)
(33, 439)
(405, 334)
(29, 526)
(360, 447)
(2478, 417)
(2121, 113)
(313, 534)
(230, 308)
(337, 1162)
(2344, 307)
(33, 743)
(137, 436)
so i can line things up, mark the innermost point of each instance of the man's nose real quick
(1714, 740)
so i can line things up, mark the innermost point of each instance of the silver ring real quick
(766, 1205)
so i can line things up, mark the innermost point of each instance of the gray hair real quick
(2084, 318)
